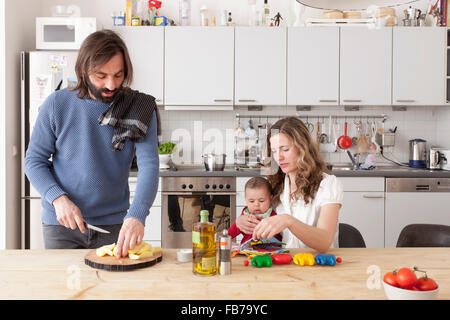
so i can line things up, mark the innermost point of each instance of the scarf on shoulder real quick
(130, 115)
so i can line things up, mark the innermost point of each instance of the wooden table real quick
(62, 274)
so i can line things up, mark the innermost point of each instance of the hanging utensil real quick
(344, 142)
(374, 146)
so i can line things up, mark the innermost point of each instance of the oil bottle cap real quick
(204, 215)
(225, 232)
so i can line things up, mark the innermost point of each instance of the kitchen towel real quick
(130, 114)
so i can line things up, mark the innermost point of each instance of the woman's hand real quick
(247, 223)
(271, 226)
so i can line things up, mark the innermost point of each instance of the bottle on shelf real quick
(265, 14)
(204, 246)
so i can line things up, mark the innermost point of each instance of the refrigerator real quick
(42, 72)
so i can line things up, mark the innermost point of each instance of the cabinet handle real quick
(405, 100)
(350, 100)
(372, 197)
(245, 100)
(158, 100)
(327, 100)
(222, 100)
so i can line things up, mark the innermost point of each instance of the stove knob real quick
(191, 186)
(228, 186)
(206, 186)
(183, 186)
(214, 186)
(220, 186)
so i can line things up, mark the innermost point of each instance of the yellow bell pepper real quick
(304, 259)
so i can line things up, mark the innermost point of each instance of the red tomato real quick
(338, 260)
(245, 262)
(390, 279)
(406, 278)
(426, 284)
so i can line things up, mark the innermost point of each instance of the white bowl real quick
(394, 293)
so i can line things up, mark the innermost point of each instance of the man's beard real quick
(97, 92)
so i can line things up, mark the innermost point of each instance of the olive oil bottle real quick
(204, 246)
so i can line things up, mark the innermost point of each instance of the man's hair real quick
(96, 50)
(257, 183)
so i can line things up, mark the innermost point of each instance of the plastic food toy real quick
(262, 261)
(281, 258)
(325, 259)
(304, 259)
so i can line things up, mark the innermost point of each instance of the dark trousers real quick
(60, 237)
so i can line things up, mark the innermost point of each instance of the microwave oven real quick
(63, 33)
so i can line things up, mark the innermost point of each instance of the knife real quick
(96, 228)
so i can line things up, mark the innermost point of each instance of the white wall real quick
(2, 128)
(19, 36)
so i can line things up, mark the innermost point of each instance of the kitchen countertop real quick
(338, 170)
(62, 274)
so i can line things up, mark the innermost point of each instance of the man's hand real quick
(68, 214)
(131, 234)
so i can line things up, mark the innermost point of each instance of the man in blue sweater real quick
(86, 180)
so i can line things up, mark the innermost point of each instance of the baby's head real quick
(258, 195)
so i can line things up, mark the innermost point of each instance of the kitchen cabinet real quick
(199, 64)
(146, 49)
(313, 66)
(363, 208)
(260, 66)
(152, 229)
(365, 66)
(419, 66)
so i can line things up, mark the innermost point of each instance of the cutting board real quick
(123, 264)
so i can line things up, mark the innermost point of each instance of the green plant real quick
(166, 148)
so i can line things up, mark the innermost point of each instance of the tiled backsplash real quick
(201, 129)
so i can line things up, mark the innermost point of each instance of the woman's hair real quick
(310, 164)
(259, 183)
(96, 50)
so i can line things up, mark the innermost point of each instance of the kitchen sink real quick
(349, 167)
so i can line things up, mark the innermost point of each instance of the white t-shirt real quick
(330, 191)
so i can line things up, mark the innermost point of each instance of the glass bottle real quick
(204, 246)
(265, 14)
(185, 12)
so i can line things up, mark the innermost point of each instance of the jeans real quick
(60, 237)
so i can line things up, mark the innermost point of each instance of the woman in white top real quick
(307, 199)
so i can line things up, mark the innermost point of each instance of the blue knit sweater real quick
(84, 166)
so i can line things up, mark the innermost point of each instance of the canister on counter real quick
(224, 253)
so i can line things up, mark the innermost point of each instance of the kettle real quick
(417, 153)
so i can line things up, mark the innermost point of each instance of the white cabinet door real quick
(419, 66)
(152, 230)
(404, 208)
(146, 49)
(313, 66)
(366, 64)
(365, 212)
(199, 64)
(260, 66)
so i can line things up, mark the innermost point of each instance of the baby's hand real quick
(247, 223)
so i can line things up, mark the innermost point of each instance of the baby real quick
(258, 197)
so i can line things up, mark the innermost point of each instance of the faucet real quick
(354, 159)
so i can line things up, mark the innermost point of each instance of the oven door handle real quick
(221, 193)
(179, 193)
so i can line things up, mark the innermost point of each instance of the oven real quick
(184, 197)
